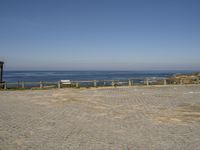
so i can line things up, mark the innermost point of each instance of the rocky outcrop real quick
(193, 78)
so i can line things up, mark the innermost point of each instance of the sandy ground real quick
(122, 118)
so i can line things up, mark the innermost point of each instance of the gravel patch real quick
(122, 118)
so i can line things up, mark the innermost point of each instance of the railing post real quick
(132, 82)
(77, 84)
(41, 86)
(181, 81)
(129, 83)
(95, 83)
(23, 86)
(165, 82)
(126, 147)
(147, 82)
(59, 85)
(5, 85)
(113, 83)
(18, 84)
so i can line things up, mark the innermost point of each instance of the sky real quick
(100, 34)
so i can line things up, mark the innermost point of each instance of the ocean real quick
(54, 76)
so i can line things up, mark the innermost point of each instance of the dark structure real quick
(1, 73)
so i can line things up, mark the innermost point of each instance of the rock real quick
(192, 78)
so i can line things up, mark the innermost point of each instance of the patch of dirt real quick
(19, 141)
(185, 113)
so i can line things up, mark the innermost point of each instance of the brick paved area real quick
(122, 118)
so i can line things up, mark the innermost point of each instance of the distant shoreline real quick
(53, 76)
(110, 70)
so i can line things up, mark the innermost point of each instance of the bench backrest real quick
(65, 82)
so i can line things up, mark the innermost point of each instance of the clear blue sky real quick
(100, 34)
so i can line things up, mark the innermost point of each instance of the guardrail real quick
(90, 83)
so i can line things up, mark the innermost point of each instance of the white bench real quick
(65, 82)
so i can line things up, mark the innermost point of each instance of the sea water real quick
(54, 76)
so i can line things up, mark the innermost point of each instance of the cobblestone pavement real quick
(122, 118)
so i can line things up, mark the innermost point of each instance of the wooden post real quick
(23, 86)
(5, 85)
(129, 83)
(41, 86)
(147, 82)
(18, 84)
(125, 147)
(1, 75)
(59, 85)
(165, 82)
(113, 83)
(181, 81)
(198, 80)
(95, 83)
(77, 84)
